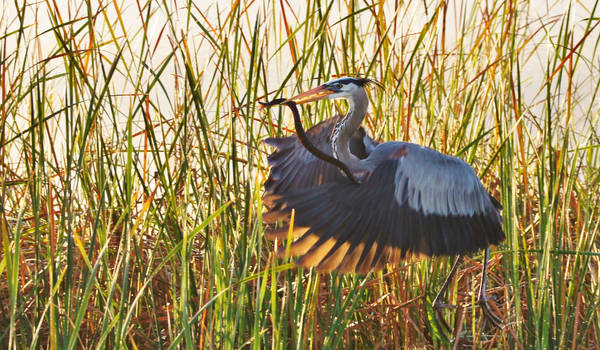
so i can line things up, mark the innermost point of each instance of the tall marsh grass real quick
(131, 170)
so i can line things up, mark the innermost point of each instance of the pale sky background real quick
(41, 43)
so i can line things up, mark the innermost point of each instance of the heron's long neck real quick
(345, 128)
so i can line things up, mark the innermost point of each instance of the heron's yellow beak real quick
(315, 94)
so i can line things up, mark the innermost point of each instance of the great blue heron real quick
(390, 200)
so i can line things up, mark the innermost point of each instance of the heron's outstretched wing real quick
(294, 168)
(415, 201)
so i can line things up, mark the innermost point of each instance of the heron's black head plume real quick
(366, 81)
(363, 82)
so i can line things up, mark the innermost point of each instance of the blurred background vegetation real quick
(131, 169)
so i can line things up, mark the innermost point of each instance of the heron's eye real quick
(338, 85)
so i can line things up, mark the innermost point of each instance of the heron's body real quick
(413, 200)
(393, 199)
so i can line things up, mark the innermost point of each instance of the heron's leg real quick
(437, 303)
(483, 299)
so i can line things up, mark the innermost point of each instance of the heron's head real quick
(342, 87)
